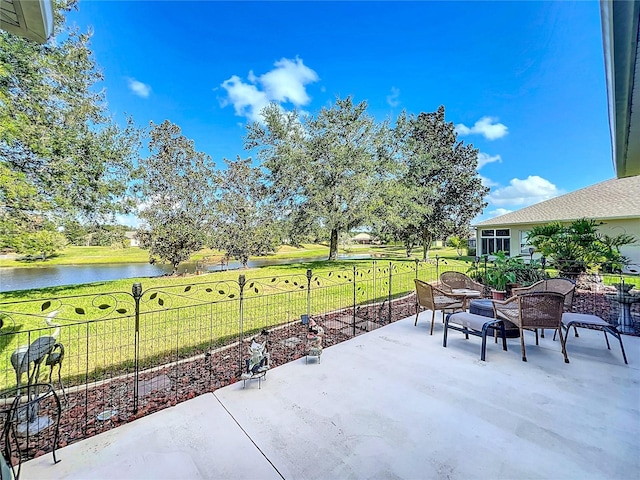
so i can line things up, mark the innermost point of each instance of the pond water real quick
(40, 277)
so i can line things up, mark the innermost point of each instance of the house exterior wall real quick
(630, 227)
(131, 236)
(518, 246)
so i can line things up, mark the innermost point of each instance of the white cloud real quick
(525, 192)
(485, 158)
(246, 99)
(393, 97)
(485, 127)
(487, 182)
(138, 88)
(286, 83)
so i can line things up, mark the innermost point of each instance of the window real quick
(524, 246)
(493, 241)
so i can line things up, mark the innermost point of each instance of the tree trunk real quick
(333, 247)
(426, 243)
(408, 245)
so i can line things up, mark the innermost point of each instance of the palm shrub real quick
(576, 247)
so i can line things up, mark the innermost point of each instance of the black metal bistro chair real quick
(30, 419)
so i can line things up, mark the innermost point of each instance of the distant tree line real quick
(68, 168)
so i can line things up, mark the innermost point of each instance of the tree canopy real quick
(243, 220)
(440, 190)
(59, 146)
(177, 191)
(323, 169)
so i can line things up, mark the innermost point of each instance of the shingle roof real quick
(615, 198)
(362, 236)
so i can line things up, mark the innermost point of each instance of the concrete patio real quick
(393, 403)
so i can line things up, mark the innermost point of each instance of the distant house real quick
(615, 202)
(362, 238)
(131, 235)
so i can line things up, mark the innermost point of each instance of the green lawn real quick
(181, 316)
(105, 255)
(185, 315)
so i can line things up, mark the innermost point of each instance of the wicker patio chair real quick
(533, 311)
(459, 281)
(433, 298)
(563, 286)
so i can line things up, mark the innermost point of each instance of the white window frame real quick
(524, 246)
(494, 239)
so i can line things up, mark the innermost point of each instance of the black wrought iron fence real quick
(126, 354)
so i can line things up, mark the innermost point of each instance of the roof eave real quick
(32, 19)
(620, 32)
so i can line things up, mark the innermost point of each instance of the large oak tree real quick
(243, 222)
(440, 180)
(323, 170)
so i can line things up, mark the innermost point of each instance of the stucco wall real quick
(630, 227)
(610, 227)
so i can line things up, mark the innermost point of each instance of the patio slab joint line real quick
(248, 436)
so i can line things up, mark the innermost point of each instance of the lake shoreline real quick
(51, 276)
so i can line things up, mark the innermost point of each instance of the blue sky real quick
(523, 81)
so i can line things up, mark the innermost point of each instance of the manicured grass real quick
(185, 315)
(97, 255)
(83, 256)
(107, 255)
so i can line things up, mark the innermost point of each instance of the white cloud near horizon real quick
(485, 158)
(488, 127)
(532, 189)
(393, 99)
(138, 88)
(285, 83)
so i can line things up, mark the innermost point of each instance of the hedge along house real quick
(614, 202)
